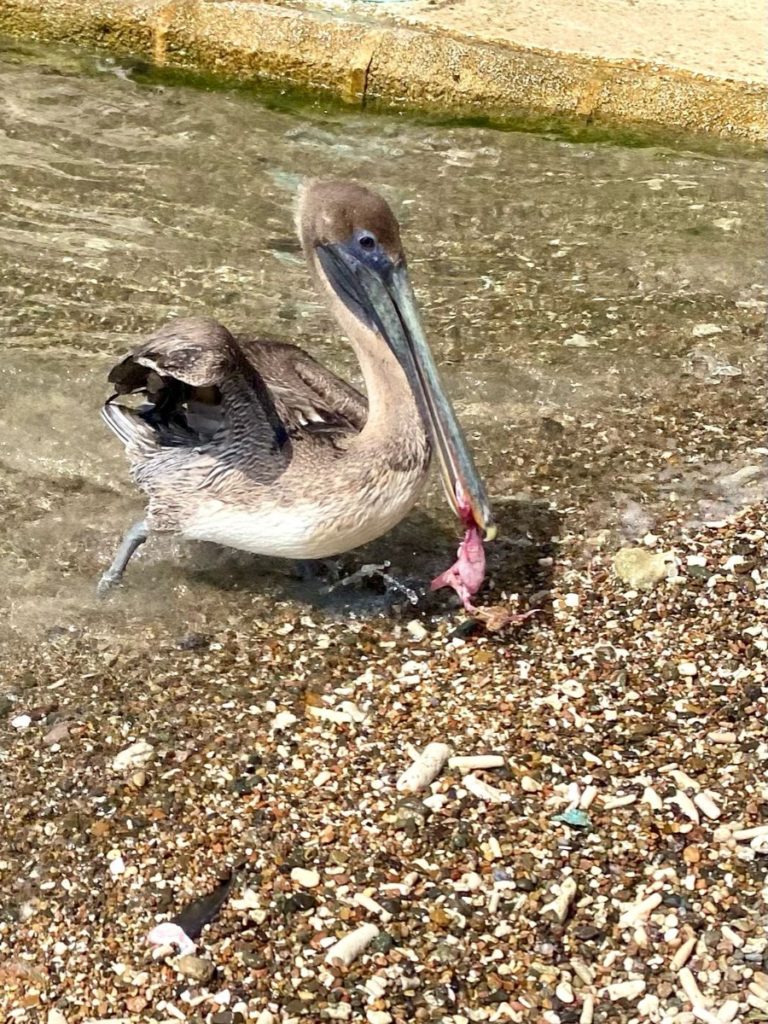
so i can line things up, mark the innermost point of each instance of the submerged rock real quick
(641, 568)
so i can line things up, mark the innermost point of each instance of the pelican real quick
(254, 445)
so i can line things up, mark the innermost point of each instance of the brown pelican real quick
(255, 445)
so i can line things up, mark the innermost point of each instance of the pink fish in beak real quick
(467, 573)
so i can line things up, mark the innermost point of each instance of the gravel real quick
(484, 893)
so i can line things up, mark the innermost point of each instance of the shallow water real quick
(598, 312)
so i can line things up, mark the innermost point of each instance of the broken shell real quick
(652, 798)
(639, 911)
(370, 904)
(587, 1009)
(530, 785)
(425, 768)
(168, 934)
(558, 907)
(349, 948)
(683, 954)
(728, 1011)
(613, 803)
(686, 805)
(625, 989)
(688, 983)
(480, 789)
(707, 805)
(473, 761)
(587, 797)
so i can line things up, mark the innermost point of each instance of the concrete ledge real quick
(421, 65)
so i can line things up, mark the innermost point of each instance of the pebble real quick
(705, 330)
(740, 834)
(573, 688)
(195, 967)
(117, 866)
(138, 779)
(21, 722)
(137, 755)
(625, 989)
(349, 948)
(687, 669)
(727, 738)
(530, 785)
(308, 878)
(55, 1017)
(283, 720)
(707, 805)
(330, 715)
(378, 1017)
(424, 769)
(683, 781)
(59, 732)
(418, 630)
(649, 1005)
(689, 986)
(564, 992)
(642, 569)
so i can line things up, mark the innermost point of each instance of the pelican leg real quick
(370, 571)
(132, 540)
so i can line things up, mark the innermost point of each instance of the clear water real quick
(598, 312)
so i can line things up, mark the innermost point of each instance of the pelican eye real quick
(367, 241)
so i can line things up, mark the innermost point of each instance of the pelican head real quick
(352, 241)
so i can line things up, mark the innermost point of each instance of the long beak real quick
(383, 297)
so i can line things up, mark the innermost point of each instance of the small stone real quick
(55, 1017)
(579, 341)
(625, 990)
(283, 720)
(642, 569)
(21, 722)
(530, 785)
(564, 992)
(417, 630)
(59, 732)
(137, 755)
(687, 668)
(705, 330)
(305, 877)
(138, 779)
(378, 1017)
(117, 866)
(195, 967)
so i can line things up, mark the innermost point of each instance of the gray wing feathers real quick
(308, 395)
(196, 351)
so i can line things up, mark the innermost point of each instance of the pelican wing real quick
(194, 381)
(309, 397)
